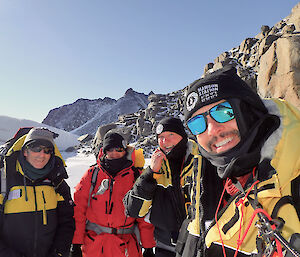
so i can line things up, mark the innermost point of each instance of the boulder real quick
(279, 71)
(85, 138)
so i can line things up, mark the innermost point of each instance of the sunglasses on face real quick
(38, 148)
(221, 113)
(117, 149)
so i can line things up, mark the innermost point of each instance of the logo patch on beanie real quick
(191, 101)
(208, 92)
(159, 129)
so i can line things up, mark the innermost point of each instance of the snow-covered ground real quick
(77, 165)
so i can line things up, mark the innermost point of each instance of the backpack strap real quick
(3, 188)
(282, 201)
(293, 199)
(93, 182)
(296, 194)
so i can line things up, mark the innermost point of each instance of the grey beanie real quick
(41, 136)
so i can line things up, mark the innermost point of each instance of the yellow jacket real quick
(282, 149)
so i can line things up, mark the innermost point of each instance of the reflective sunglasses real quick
(221, 113)
(38, 148)
(117, 149)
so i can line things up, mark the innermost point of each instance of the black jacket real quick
(166, 198)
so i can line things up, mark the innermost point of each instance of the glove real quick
(145, 185)
(75, 250)
(148, 252)
(56, 253)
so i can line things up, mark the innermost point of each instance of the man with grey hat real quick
(37, 208)
(245, 198)
(162, 191)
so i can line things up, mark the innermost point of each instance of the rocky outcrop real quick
(270, 61)
(139, 128)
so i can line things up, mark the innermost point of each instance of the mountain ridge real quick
(85, 115)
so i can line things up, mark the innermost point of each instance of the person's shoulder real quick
(282, 108)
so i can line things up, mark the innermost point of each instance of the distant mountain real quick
(85, 116)
(9, 126)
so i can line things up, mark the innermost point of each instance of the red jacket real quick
(107, 210)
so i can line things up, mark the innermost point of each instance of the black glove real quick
(56, 253)
(75, 250)
(148, 252)
(145, 185)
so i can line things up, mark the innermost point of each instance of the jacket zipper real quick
(44, 210)
(35, 225)
(111, 183)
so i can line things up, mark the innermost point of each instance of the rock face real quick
(72, 116)
(139, 127)
(269, 62)
(84, 116)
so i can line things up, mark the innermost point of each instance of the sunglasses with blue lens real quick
(221, 113)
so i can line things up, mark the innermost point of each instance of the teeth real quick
(168, 149)
(224, 142)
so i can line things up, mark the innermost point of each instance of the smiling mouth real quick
(224, 142)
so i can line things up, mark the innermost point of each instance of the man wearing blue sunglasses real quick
(245, 192)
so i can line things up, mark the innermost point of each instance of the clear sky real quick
(53, 52)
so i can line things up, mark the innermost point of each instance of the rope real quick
(256, 211)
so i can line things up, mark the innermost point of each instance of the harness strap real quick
(3, 182)
(164, 246)
(101, 229)
(93, 183)
(283, 200)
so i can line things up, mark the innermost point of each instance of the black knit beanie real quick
(221, 84)
(172, 125)
(113, 140)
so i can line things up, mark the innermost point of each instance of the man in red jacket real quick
(102, 227)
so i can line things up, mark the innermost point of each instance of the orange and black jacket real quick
(36, 216)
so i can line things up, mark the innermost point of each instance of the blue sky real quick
(53, 52)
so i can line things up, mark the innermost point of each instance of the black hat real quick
(172, 125)
(41, 136)
(221, 84)
(113, 139)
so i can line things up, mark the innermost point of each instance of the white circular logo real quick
(159, 129)
(191, 101)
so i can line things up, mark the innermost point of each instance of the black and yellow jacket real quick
(165, 203)
(37, 216)
(279, 179)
